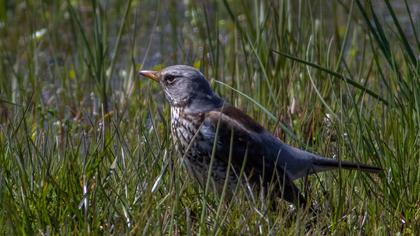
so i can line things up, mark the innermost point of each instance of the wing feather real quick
(248, 150)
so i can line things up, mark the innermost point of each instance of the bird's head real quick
(185, 86)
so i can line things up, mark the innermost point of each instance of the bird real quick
(213, 136)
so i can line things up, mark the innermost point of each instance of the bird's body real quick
(207, 131)
(194, 136)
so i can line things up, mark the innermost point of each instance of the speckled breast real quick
(184, 127)
(188, 141)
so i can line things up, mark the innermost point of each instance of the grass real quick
(85, 146)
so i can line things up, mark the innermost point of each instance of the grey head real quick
(185, 86)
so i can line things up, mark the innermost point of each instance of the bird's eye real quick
(170, 79)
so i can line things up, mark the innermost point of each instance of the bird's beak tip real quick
(150, 74)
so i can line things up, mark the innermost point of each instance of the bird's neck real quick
(203, 103)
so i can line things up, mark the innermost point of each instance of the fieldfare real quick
(208, 132)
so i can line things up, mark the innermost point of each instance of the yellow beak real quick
(151, 74)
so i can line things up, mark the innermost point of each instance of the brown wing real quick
(240, 134)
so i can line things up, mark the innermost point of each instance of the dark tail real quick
(321, 164)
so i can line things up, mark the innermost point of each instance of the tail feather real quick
(321, 164)
(299, 163)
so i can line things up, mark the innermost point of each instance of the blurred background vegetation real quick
(85, 144)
